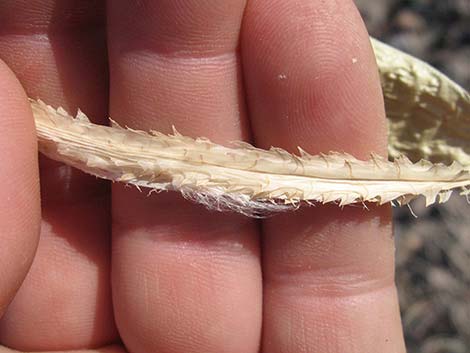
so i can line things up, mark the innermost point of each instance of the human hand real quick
(161, 274)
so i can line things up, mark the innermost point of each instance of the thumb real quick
(19, 187)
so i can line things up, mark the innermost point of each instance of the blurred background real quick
(433, 251)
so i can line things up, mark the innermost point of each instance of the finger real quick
(58, 51)
(311, 81)
(184, 279)
(19, 187)
(108, 349)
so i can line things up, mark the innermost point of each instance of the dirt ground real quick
(433, 251)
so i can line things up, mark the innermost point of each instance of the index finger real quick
(328, 271)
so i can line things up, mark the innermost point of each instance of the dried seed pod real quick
(429, 118)
(255, 182)
(428, 113)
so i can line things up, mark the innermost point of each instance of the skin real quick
(119, 270)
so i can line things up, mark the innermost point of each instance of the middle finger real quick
(184, 279)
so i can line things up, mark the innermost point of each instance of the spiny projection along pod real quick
(429, 124)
